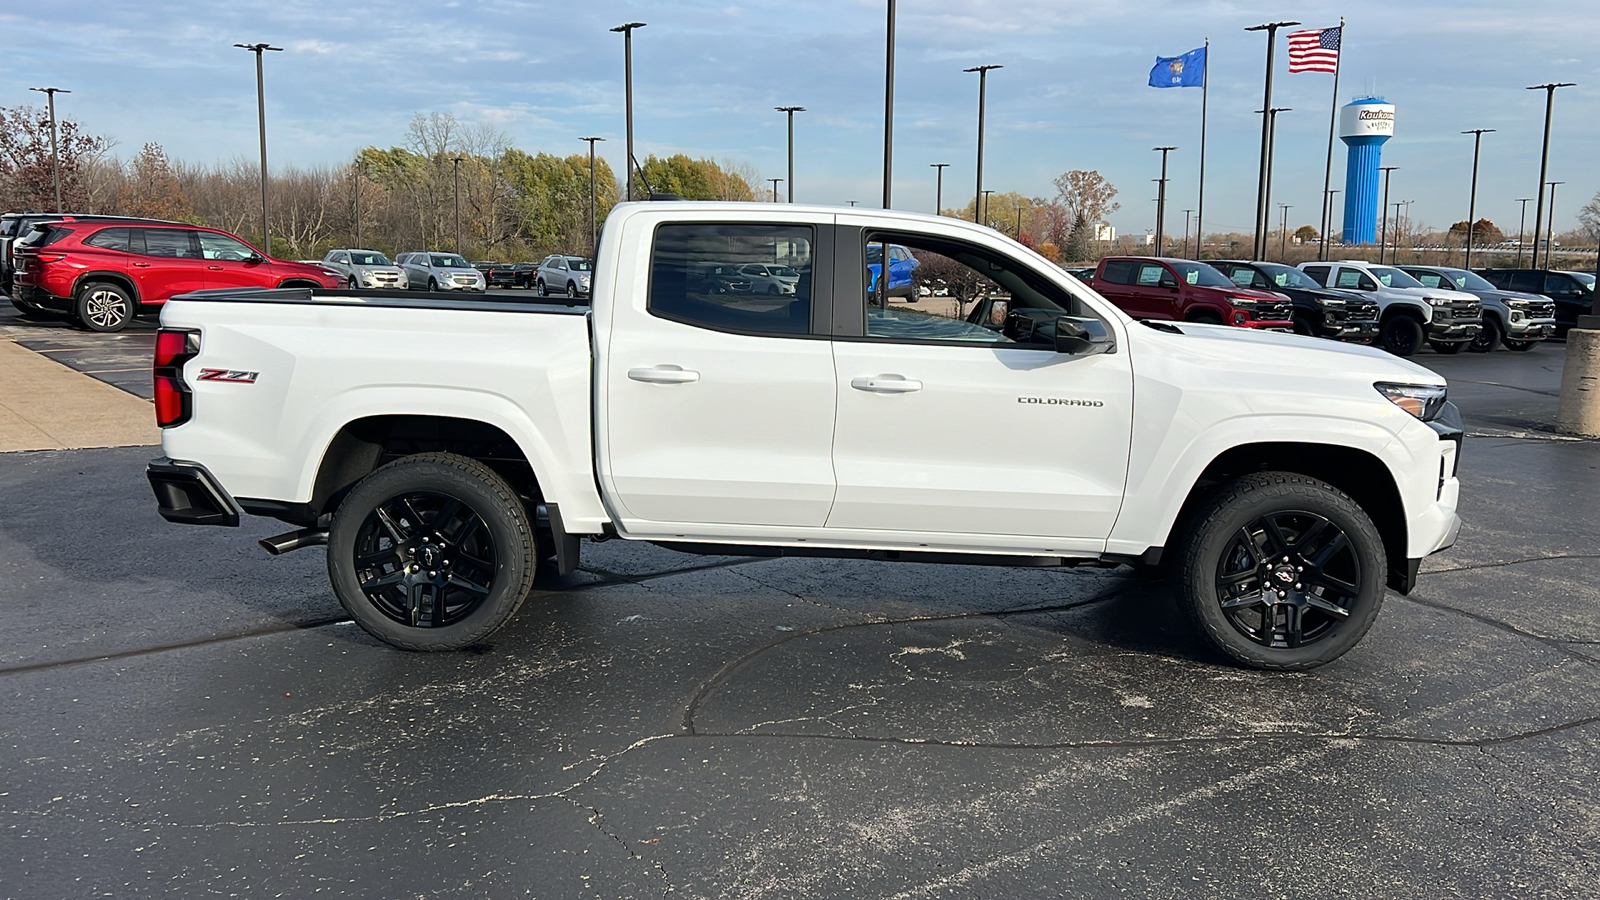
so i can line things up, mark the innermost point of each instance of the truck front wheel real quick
(432, 552)
(1280, 571)
(1401, 335)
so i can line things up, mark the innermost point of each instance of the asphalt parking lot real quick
(186, 715)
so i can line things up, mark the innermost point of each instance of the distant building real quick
(1104, 232)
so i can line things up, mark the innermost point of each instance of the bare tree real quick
(1088, 192)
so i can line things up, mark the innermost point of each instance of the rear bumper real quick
(188, 494)
(39, 298)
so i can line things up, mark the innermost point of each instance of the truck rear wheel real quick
(1281, 571)
(432, 552)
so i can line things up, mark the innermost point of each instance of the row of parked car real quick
(102, 271)
(1399, 308)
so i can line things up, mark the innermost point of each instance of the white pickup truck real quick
(443, 448)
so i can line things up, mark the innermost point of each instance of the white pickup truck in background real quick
(444, 448)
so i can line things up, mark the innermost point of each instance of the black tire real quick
(572, 291)
(1521, 346)
(1303, 326)
(1448, 349)
(1205, 317)
(1401, 335)
(350, 283)
(542, 289)
(390, 573)
(1272, 528)
(1489, 336)
(104, 307)
(432, 285)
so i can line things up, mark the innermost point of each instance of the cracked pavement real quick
(186, 715)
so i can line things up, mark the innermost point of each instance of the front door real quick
(956, 424)
(718, 406)
(231, 263)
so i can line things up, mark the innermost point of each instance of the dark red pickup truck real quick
(1185, 291)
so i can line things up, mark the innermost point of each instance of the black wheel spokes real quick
(425, 560)
(1287, 579)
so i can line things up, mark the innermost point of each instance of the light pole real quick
(594, 236)
(1272, 141)
(791, 110)
(1472, 198)
(1544, 159)
(1271, 28)
(355, 174)
(1327, 227)
(1161, 198)
(852, 202)
(1522, 222)
(1383, 232)
(983, 83)
(1186, 233)
(1283, 229)
(775, 183)
(938, 188)
(55, 156)
(627, 77)
(457, 161)
(261, 116)
(888, 110)
(1550, 233)
(1397, 205)
(985, 207)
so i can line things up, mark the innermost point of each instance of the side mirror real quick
(255, 258)
(1076, 336)
(1168, 282)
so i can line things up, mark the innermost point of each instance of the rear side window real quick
(172, 242)
(43, 236)
(110, 239)
(1118, 271)
(695, 278)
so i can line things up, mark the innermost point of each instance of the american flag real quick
(1316, 50)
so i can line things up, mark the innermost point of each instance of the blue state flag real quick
(1188, 70)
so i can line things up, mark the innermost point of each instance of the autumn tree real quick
(1482, 230)
(27, 170)
(695, 179)
(1086, 192)
(151, 188)
(1305, 233)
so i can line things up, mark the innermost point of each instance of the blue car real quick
(901, 265)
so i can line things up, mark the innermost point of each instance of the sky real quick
(1072, 94)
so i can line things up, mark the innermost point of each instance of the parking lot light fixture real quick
(1186, 233)
(1161, 197)
(1472, 197)
(791, 110)
(1383, 231)
(55, 156)
(938, 187)
(1262, 188)
(888, 111)
(775, 183)
(627, 76)
(457, 161)
(594, 236)
(983, 86)
(261, 120)
(1522, 223)
(1550, 227)
(1283, 229)
(1549, 89)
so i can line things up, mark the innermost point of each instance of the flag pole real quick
(1327, 170)
(1200, 207)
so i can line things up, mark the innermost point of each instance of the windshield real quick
(1202, 275)
(1392, 277)
(783, 271)
(447, 261)
(1468, 281)
(1287, 276)
(1585, 277)
(368, 258)
(578, 265)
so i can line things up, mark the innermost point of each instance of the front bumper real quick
(1531, 331)
(188, 494)
(1451, 331)
(1362, 332)
(1268, 324)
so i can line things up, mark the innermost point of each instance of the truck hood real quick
(1426, 292)
(1278, 349)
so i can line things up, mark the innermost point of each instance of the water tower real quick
(1364, 125)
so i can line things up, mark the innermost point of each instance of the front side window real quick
(1201, 274)
(1432, 280)
(1150, 274)
(220, 246)
(696, 277)
(946, 291)
(579, 265)
(1355, 279)
(1243, 277)
(1287, 277)
(169, 242)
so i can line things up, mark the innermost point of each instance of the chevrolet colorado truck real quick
(445, 449)
(1409, 313)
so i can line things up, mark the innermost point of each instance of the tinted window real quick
(42, 236)
(220, 246)
(1530, 282)
(169, 242)
(1319, 273)
(1392, 277)
(694, 277)
(1353, 278)
(578, 265)
(1201, 274)
(1556, 283)
(1118, 271)
(110, 239)
(1286, 276)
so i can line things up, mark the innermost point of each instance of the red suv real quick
(105, 273)
(1181, 290)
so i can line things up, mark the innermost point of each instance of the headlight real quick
(1243, 302)
(1440, 301)
(1421, 400)
(1331, 302)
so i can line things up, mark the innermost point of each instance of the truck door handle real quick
(215, 268)
(139, 265)
(885, 384)
(663, 375)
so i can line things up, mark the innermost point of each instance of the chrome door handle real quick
(885, 384)
(663, 375)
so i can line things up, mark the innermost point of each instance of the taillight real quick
(174, 403)
(49, 257)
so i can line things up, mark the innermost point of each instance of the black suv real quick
(1318, 311)
(1573, 292)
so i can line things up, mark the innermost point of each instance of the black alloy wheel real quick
(1282, 571)
(1489, 336)
(1401, 335)
(104, 307)
(1449, 349)
(432, 552)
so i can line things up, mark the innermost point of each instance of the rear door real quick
(718, 407)
(165, 262)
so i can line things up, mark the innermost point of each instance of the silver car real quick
(365, 269)
(568, 275)
(434, 271)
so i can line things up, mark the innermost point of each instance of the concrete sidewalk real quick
(47, 406)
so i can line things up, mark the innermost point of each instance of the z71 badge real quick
(232, 376)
